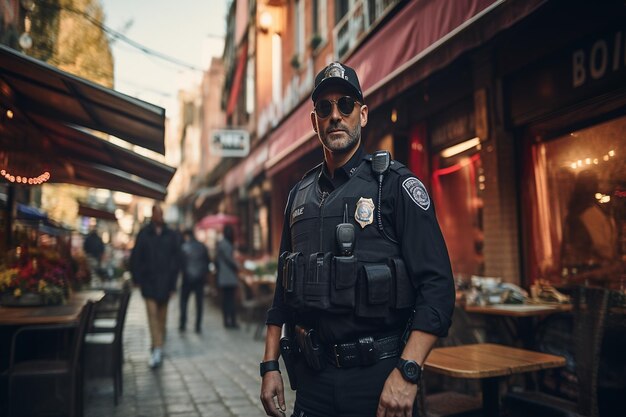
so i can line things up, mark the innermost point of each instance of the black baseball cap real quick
(337, 74)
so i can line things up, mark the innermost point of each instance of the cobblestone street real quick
(212, 374)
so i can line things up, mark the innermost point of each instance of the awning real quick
(38, 88)
(70, 142)
(235, 87)
(38, 136)
(76, 157)
(422, 38)
(90, 211)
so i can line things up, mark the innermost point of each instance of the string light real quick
(40, 179)
(595, 161)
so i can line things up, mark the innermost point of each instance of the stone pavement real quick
(213, 374)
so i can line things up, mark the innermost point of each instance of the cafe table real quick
(49, 314)
(518, 310)
(519, 319)
(490, 363)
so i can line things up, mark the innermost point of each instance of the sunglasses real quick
(345, 105)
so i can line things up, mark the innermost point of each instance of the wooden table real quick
(489, 363)
(519, 320)
(519, 310)
(65, 313)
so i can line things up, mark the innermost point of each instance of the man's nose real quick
(335, 114)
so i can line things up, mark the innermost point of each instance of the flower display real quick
(36, 271)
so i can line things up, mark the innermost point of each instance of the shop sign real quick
(233, 143)
(604, 56)
(456, 123)
(587, 68)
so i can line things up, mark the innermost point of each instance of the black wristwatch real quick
(410, 370)
(267, 366)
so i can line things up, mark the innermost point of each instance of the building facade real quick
(496, 105)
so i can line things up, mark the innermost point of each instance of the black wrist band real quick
(267, 366)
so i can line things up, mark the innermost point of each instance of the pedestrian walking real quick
(365, 286)
(195, 266)
(227, 277)
(155, 264)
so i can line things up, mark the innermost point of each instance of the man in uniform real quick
(364, 274)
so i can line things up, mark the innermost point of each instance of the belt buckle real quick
(367, 351)
(336, 356)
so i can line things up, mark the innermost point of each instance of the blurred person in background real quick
(154, 264)
(227, 278)
(195, 266)
(94, 249)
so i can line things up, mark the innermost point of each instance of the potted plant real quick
(316, 40)
(34, 277)
(295, 62)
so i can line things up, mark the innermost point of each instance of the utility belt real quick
(363, 352)
(340, 283)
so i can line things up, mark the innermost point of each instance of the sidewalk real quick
(213, 374)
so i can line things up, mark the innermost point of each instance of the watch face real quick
(410, 369)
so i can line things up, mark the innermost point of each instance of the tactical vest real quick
(371, 280)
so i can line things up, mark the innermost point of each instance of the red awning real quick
(235, 87)
(422, 38)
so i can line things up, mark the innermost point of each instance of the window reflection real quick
(577, 207)
(457, 182)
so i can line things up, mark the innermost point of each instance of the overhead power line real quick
(123, 38)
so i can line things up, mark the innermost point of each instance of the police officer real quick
(364, 274)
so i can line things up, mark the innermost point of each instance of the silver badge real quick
(416, 190)
(335, 70)
(364, 213)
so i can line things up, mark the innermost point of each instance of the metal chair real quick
(106, 340)
(69, 367)
(590, 310)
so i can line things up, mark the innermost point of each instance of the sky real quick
(191, 31)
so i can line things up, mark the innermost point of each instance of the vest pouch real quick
(293, 275)
(403, 294)
(317, 284)
(343, 278)
(374, 291)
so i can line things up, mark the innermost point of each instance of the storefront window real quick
(457, 182)
(576, 206)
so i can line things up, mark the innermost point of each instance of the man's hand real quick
(273, 394)
(397, 398)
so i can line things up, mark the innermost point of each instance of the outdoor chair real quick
(105, 340)
(590, 310)
(254, 305)
(68, 366)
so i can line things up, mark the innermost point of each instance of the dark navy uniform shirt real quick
(423, 250)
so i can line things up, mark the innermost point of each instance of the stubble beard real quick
(343, 144)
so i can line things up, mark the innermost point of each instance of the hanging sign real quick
(230, 143)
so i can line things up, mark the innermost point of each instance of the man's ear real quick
(363, 115)
(314, 121)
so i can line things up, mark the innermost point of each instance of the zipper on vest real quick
(324, 195)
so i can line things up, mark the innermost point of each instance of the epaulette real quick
(310, 171)
(393, 165)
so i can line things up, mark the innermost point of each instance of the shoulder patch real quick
(416, 190)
